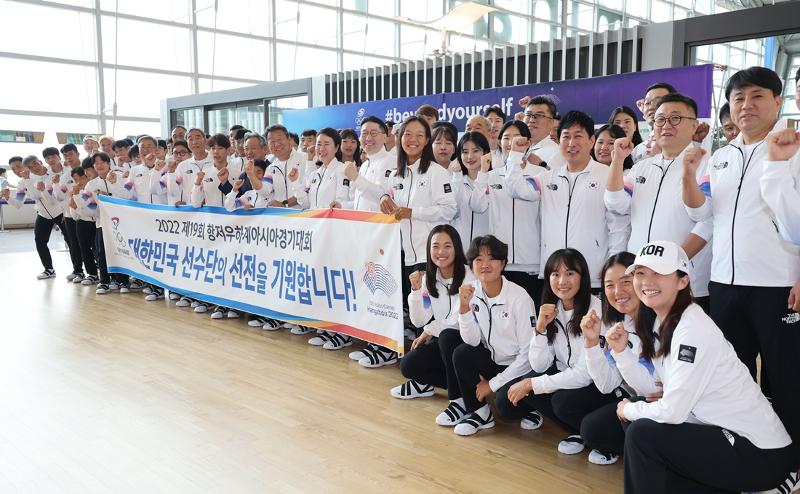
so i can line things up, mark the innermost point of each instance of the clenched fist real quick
(547, 314)
(781, 146)
(416, 280)
(465, 294)
(590, 326)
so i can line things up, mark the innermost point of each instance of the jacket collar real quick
(563, 171)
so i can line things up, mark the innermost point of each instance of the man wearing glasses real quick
(651, 191)
(539, 116)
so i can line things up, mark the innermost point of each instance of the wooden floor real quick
(114, 394)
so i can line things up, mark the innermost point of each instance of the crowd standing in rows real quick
(622, 288)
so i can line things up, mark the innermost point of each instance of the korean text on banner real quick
(336, 270)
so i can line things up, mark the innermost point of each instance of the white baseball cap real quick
(663, 257)
(89, 138)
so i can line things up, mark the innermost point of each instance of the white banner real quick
(338, 270)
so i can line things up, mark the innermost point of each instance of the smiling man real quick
(651, 192)
(753, 268)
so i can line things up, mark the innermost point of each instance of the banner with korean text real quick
(332, 269)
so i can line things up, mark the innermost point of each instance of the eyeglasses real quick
(674, 120)
(180, 153)
(372, 133)
(536, 116)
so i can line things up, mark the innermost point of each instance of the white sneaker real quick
(136, 284)
(412, 389)
(90, 280)
(256, 322)
(377, 357)
(572, 445)
(183, 302)
(301, 330)
(47, 273)
(218, 313)
(147, 290)
(174, 296)
(474, 423)
(598, 458)
(200, 308)
(319, 340)
(78, 279)
(113, 286)
(271, 325)
(288, 325)
(337, 341)
(357, 354)
(72, 276)
(101, 289)
(194, 304)
(531, 421)
(232, 314)
(153, 296)
(123, 288)
(452, 415)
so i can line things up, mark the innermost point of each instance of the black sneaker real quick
(90, 280)
(102, 289)
(124, 288)
(46, 274)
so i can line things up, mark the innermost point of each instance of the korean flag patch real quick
(447, 188)
(687, 353)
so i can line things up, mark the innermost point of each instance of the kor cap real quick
(663, 257)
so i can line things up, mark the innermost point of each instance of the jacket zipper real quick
(745, 166)
(658, 192)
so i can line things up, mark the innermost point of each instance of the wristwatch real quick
(543, 164)
(285, 203)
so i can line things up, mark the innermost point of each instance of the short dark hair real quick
(444, 127)
(497, 249)
(577, 117)
(102, 156)
(616, 132)
(724, 112)
(523, 129)
(309, 133)
(335, 137)
(661, 85)
(797, 76)
(129, 141)
(133, 152)
(121, 143)
(14, 158)
(754, 76)
(496, 110)
(478, 139)
(49, 151)
(263, 164)
(87, 162)
(240, 133)
(69, 147)
(2, 171)
(546, 100)
(78, 170)
(427, 110)
(277, 128)
(377, 121)
(295, 138)
(677, 98)
(161, 143)
(179, 127)
(219, 139)
(180, 142)
(235, 127)
(389, 124)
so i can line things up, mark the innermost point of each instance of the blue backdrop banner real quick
(597, 96)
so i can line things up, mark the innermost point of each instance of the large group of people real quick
(553, 268)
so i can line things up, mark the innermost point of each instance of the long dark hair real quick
(646, 318)
(459, 264)
(611, 315)
(476, 138)
(351, 134)
(337, 141)
(574, 260)
(637, 137)
(427, 152)
(616, 132)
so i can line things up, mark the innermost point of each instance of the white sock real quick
(460, 402)
(484, 411)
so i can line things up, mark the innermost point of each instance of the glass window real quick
(510, 28)
(547, 9)
(313, 25)
(139, 94)
(123, 128)
(168, 10)
(581, 16)
(188, 117)
(304, 62)
(206, 85)
(377, 7)
(661, 11)
(612, 4)
(355, 62)
(518, 6)
(462, 43)
(417, 43)
(43, 86)
(234, 56)
(48, 125)
(242, 16)
(608, 20)
(144, 44)
(636, 8)
(278, 106)
(57, 32)
(370, 35)
(544, 32)
(421, 10)
(251, 115)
